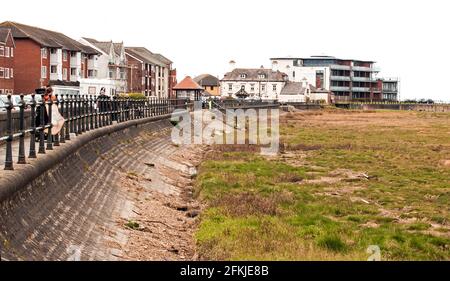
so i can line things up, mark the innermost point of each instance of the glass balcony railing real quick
(340, 78)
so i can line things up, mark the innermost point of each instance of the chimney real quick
(232, 65)
(274, 66)
(305, 83)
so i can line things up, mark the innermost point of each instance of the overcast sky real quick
(408, 39)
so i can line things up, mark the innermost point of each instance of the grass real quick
(286, 208)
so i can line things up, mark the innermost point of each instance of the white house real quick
(111, 67)
(258, 83)
(302, 92)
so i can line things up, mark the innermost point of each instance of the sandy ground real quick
(164, 213)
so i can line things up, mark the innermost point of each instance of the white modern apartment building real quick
(347, 79)
(109, 68)
(259, 83)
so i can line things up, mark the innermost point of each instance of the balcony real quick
(340, 99)
(75, 61)
(366, 69)
(92, 64)
(340, 89)
(340, 67)
(363, 79)
(340, 78)
(360, 89)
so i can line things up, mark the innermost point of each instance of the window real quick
(293, 74)
(44, 53)
(243, 76)
(73, 71)
(2, 72)
(263, 88)
(2, 51)
(53, 69)
(230, 87)
(1, 91)
(242, 87)
(110, 74)
(64, 73)
(6, 73)
(274, 87)
(12, 52)
(262, 76)
(73, 54)
(64, 54)
(91, 73)
(52, 51)
(44, 72)
(11, 73)
(252, 87)
(211, 88)
(7, 52)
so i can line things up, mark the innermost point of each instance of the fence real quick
(82, 113)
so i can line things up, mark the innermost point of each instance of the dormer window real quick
(262, 76)
(243, 76)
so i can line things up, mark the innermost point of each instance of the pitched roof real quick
(207, 80)
(163, 59)
(118, 48)
(44, 37)
(144, 54)
(296, 88)
(4, 32)
(187, 84)
(103, 46)
(293, 88)
(253, 74)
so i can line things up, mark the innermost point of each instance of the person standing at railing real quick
(42, 108)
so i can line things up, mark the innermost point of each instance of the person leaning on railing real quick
(47, 96)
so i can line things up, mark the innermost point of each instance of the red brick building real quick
(7, 52)
(43, 57)
(172, 83)
(149, 73)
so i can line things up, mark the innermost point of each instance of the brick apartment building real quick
(7, 52)
(149, 73)
(43, 57)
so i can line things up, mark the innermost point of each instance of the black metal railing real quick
(232, 104)
(82, 113)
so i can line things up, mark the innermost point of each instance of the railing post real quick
(91, 113)
(62, 133)
(110, 111)
(57, 135)
(49, 131)
(21, 158)
(83, 113)
(101, 111)
(33, 128)
(67, 115)
(8, 160)
(95, 112)
(74, 114)
(79, 121)
(42, 126)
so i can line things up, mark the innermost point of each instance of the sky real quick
(407, 39)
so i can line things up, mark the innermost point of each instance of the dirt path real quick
(164, 216)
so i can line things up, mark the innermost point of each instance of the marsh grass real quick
(268, 209)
